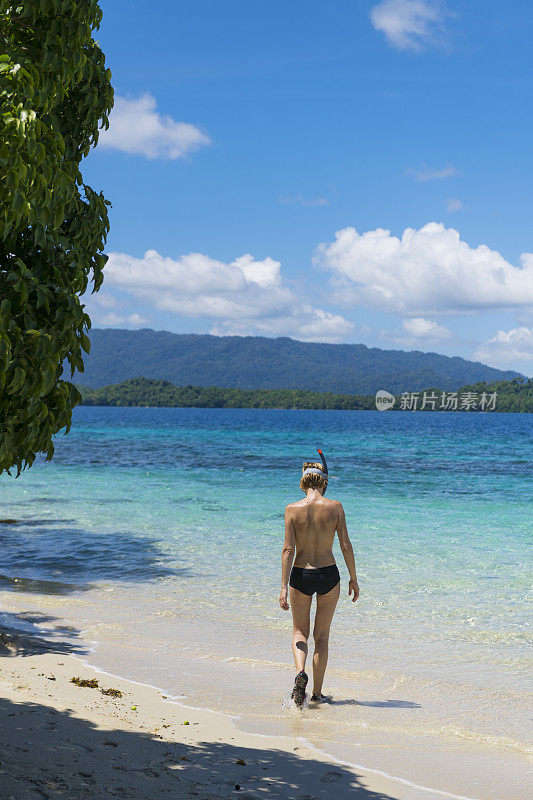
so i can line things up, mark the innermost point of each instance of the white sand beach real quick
(58, 739)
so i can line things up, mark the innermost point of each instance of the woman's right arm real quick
(287, 557)
(347, 552)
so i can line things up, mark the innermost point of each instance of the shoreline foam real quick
(35, 687)
(454, 776)
(312, 748)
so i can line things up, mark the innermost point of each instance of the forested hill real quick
(257, 362)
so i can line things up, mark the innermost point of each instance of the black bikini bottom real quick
(320, 580)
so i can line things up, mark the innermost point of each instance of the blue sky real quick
(345, 171)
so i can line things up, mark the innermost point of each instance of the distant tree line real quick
(148, 392)
(514, 395)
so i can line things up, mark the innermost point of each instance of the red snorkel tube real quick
(321, 454)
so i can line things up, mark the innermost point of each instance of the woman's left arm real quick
(287, 557)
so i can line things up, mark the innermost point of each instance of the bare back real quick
(314, 521)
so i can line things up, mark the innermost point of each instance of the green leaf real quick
(55, 95)
(18, 380)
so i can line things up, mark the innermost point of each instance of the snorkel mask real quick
(316, 471)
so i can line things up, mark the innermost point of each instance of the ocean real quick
(150, 546)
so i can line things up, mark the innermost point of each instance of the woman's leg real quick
(300, 607)
(325, 607)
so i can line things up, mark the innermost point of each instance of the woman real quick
(310, 526)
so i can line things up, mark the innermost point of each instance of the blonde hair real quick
(312, 480)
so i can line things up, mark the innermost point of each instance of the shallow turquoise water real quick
(438, 505)
(171, 521)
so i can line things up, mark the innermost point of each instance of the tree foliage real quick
(148, 392)
(55, 93)
(515, 395)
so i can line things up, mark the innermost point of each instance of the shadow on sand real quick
(20, 636)
(376, 703)
(50, 754)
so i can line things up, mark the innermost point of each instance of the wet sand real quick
(61, 740)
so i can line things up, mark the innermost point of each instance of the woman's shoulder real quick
(330, 501)
(295, 504)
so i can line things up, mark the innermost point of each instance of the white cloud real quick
(244, 296)
(415, 332)
(102, 308)
(424, 272)
(304, 201)
(424, 173)
(323, 326)
(197, 285)
(507, 348)
(135, 126)
(454, 204)
(305, 323)
(113, 320)
(410, 24)
(420, 328)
